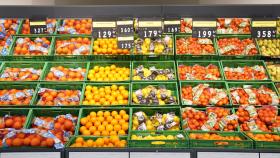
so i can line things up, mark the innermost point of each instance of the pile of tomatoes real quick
(73, 46)
(233, 26)
(198, 72)
(256, 72)
(186, 25)
(195, 46)
(28, 46)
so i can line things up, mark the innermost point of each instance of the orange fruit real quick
(79, 140)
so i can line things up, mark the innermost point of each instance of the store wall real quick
(101, 2)
(27, 2)
(239, 1)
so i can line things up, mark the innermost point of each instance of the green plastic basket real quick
(240, 57)
(242, 63)
(20, 86)
(213, 84)
(184, 57)
(33, 57)
(58, 86)
(201, 63)
(86, 111)
(245, 143)
(157, 65)
(253, 84)
(16, 112)
(71, 57)
(168, 85)
(153, 110)
(265, 144)
(31, 64)
(158, 143)
(68, 64)
(277, 85)
(126, 64)
(126, 85)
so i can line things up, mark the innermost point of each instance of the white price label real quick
(98, 155)
(269, 155)
(31, 155)
(159, 155)
(226, 155)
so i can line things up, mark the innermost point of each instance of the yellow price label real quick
(128, 22)
(101, 24)
(175, 22)
(150, 24)
(264, 24)
(204, 24)
(129, 38)
(37, 23)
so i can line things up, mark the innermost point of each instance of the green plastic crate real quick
(31, 64)
(71, 57)
(72, 140)
(264, 144)
(126, 64)
(254, 85)
(158, 143)
(49, 56)
(245, 143)
(153, 110)
(213, 84)
(16, 112)
(242, 63)
(86, 111)
(184, 57)
(68, 64)
(201, 63)
(277, 85)
(46, 112)
(240, 57)
(20, 86)
(168, 85)
(155, 57)
(126, 85)
(58, 86)
(158, 65)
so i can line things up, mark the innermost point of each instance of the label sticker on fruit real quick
(38, 26)
(204, 28)
(264, 28)
(149, 28)
(172, 26)
(125, 42)
(104, 29)
(125, 27)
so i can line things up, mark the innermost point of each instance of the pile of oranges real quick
(60, 73)
(109, 73)
(14, 121)
(29, 46)
(106, 95)
(16, 96)
(53, 97)
(198, 72)
(76, 26)
(213, 136)
(108, 46)
(20, 74)
(51, 24)
(104, 142)
(194, 46)
(256, 72)
(73, 46)
(105, 123)
(264, 137)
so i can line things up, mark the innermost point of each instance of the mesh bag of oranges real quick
(104, 123)
(63, 73)
(73, 46)
(107, 95)
(99, 142)
(75, 26)
(51, 25)
(12, 121)
(16, 96)
(20, 74)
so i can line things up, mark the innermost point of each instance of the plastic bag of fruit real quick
(16, 96)
(20, 74)
(29, 46)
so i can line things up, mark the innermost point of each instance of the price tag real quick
(31, 155)
(264, 28)
(38, 26)
(125, 27)
(98, 155)
(150, 29)
(104, 29)
(204, 29)
(226, 155)
(159, 154)
(125, 42)
(172, 26)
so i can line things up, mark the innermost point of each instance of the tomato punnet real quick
(76, 26)
(233, 26)
(203, 95)
(195, 46)
(51, 24)
(198, 72)
(254, 96)
(236, 46)
(256, 72)
(32, 47)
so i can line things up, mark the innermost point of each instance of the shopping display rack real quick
(139, 79)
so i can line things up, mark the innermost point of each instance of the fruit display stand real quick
(69, 71)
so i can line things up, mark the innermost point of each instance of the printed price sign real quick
(172, 26)
(38, 26)
(204, 29)
(150, 29)
(264, 28)
(104, 29)
(125, 42)
(125, 27)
